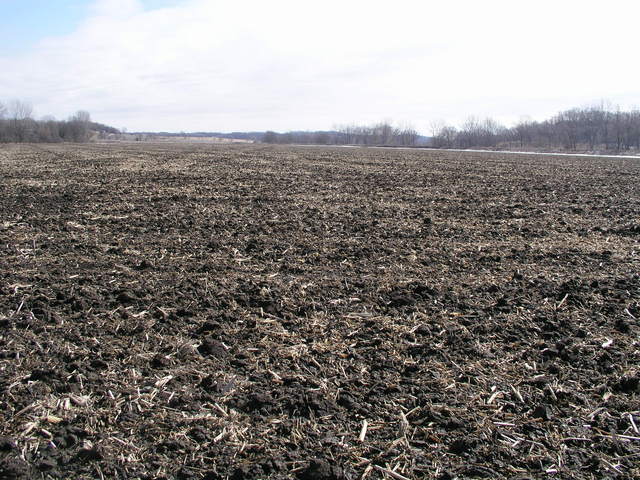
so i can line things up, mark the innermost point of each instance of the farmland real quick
(246, 311)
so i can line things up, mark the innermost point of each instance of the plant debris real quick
(228, 312)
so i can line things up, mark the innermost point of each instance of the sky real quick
(245, 65)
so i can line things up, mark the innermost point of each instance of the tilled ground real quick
(260, 312)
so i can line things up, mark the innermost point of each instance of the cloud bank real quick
(255, 65)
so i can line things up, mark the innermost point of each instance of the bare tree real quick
(270, 137)
(470, 133)
(48, 130)
(79, 126)
(634, 130)
(406, 135)
(436, 126)
(523, 131)
(19, 110)
(445, 136)
(381, 133)
(21, 125)
(3, 123)
(321, 138)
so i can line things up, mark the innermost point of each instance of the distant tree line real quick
(591, 128)
(600, 127)
(18, 125)
(383, 133)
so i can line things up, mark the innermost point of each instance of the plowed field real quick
(213, 312)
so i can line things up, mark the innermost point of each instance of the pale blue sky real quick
(230, 65)
(25, 22)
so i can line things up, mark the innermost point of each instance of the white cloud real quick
(219, 65)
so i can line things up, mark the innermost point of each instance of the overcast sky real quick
(209, 65)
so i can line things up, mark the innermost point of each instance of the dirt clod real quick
(321, 469)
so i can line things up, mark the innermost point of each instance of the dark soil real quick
(233, 312)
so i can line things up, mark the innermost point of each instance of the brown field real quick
(212, 312)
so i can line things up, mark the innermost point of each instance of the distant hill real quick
(102, 128)
(321, 137)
